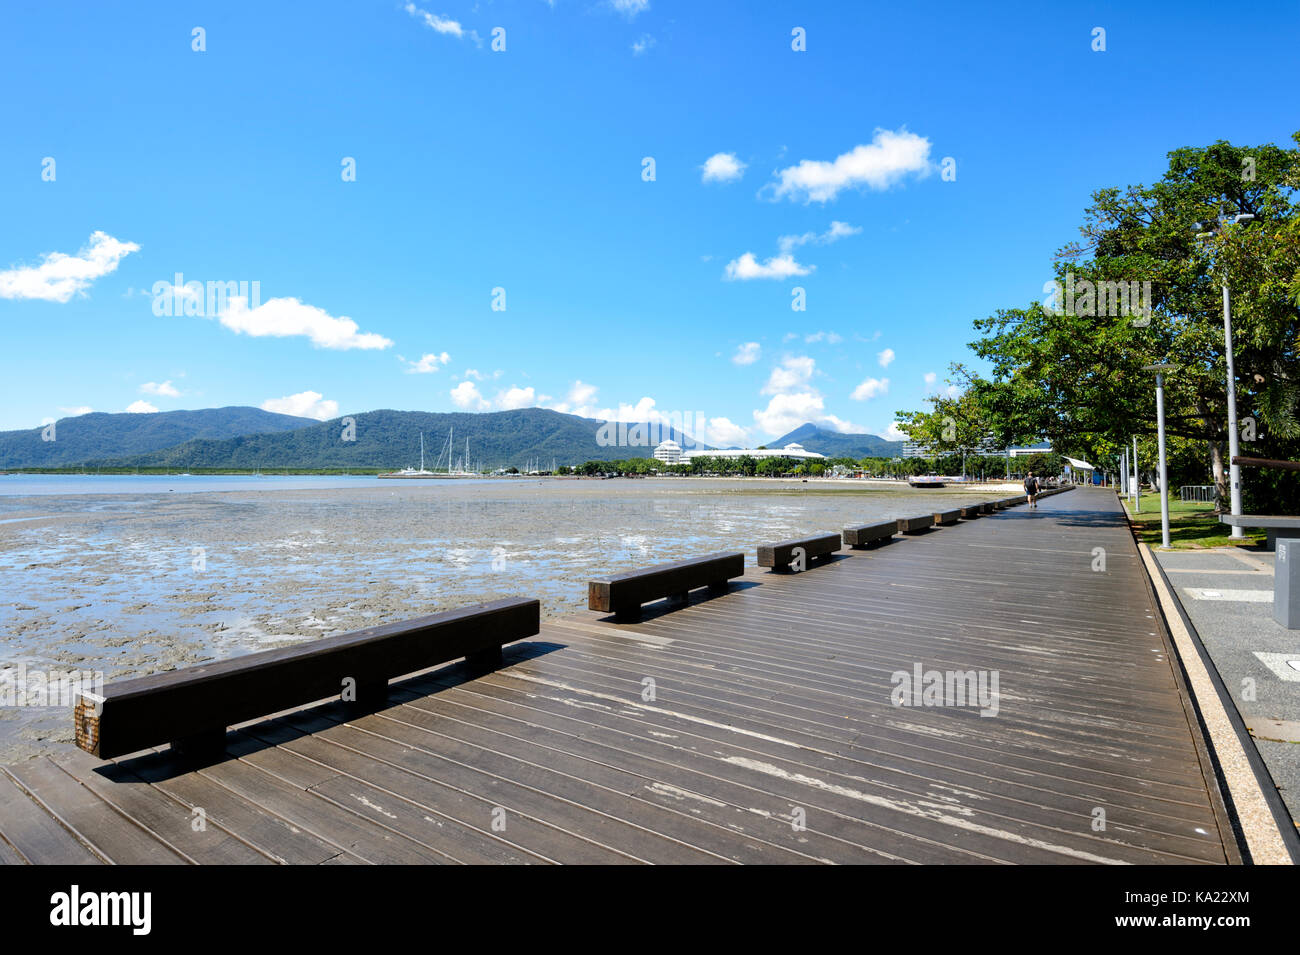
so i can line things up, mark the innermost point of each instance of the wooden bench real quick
(191, 708)
(972, 511)
(1272, 524)
(944, 518)
(623, 594)
(864, 535)
(913, 525)
(780, 555)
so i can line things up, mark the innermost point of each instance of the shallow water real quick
(144, 579)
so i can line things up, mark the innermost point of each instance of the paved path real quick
(755, 726)
(1228, 595)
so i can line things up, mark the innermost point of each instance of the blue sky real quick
(523, 169)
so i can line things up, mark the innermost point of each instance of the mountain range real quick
(835, 444)
(249, 438)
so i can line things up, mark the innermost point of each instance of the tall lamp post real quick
(1160, 370)
(1234, 472)
(1137, 480)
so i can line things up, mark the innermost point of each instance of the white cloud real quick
(785, 412)
(788, 411)
(885, 357)
(515, 397)
(61, 276)
(305, 404)
(431, 362)
(793, 372)
(831, 338)
(722, 433)
(630, 8)
(79, 410)
(895, 433)
(466, 396)
(886, 161)
(931, 378)
(837, 231)
(579, 401)
(778, 267)
(141, 407)
(581, 393)
(443, 25)
(747, 354)
(284, 317)
(642, 43)
(871, 388)
(722, 167)
(166, 389)
(643, 410)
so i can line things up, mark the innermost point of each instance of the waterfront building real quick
(669, 452)
(792, 451)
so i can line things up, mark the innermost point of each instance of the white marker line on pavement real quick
(1283, 664)
(1241, 596)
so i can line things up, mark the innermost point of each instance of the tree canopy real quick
(1144, 286)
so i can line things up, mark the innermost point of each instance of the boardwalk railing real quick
(192, 708)
(623, 594)
(864, 535)
(781, 555)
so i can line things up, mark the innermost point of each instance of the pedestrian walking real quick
(1031, 490)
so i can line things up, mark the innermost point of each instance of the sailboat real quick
(412, 472)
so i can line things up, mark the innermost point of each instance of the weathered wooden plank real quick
(350, 784)
(945, 518)
(320, 817)
(264, 830)
(30, 829)
(177, 826)
(108, 833)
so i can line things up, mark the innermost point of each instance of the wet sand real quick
(131, 584)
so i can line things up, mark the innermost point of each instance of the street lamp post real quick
(1234, 472)
(1137, 480)
(1160, 370)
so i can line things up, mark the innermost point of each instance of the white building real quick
(669, 452)
(795, 451)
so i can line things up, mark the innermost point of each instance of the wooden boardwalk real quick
(753, 726)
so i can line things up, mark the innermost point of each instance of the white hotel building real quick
(793, 451)
(669, 452)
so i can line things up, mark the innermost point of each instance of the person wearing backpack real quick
(1031, 490)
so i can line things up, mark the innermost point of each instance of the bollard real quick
(1286, 583)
